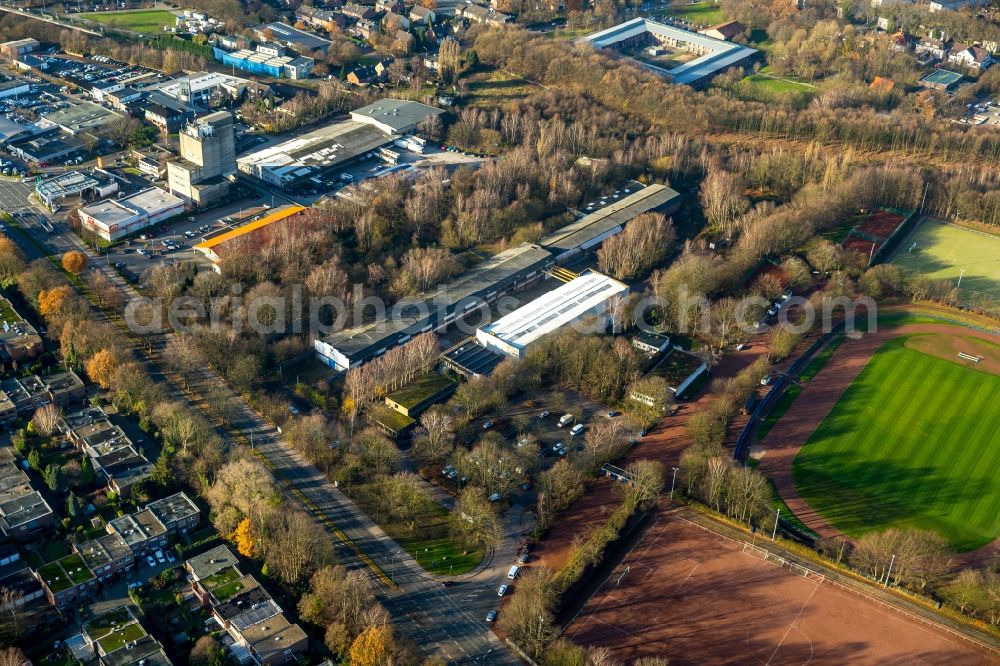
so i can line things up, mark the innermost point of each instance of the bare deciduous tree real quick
(45, 419)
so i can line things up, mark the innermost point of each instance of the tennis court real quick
(948, 252)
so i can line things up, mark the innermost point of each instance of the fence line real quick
(935, 623)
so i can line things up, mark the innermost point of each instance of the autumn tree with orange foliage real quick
(243, 538)
(51, 302)
(74, 262)
(372, 647)
(101, 367)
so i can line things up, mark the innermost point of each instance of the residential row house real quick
(20, 397)
(106, 556)
(67, 580)
(147, 530)
(117, 638)
(120, 461)
(243, 608)
(19, 341)
(479, 14)
(23, 511)
(75, 577)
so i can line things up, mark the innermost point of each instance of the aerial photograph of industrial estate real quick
(499, 332)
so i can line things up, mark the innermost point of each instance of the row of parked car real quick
(512, 574)
(161, 558)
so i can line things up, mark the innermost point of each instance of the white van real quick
(514, 571)
(577, 429)
(565, 420)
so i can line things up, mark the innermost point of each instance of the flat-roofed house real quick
(177, 513)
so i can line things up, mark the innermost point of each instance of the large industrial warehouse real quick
(293, 161)
(314, 154)
(591, 230)
(588, 294)
(508, 271)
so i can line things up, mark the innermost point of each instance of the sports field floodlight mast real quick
(889, 571)
(961, 273)
(672, 482)
(774, 533)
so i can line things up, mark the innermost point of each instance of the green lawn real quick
(7, 313)
(440, 555)
(944, 251)
(911, 443)
(491, 87)
(705, 13)
(778, 86)
(142, 20)
(118, 638)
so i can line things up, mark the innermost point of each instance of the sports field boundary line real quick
(624, 556)
(929, 622)
(914, 616)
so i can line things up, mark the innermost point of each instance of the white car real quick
(502, 591)
(171, 557)
(159, 556)
(150, 561)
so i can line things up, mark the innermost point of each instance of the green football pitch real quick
(142, 20)
(947, 252)
(911, 443)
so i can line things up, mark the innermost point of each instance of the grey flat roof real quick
(82, 114)
(110, 211)
(211, 562)
(396, 113)
(587, 229)
(321, 149)
(287, 33)
(414, 314)
(153, 200)
(173, 508)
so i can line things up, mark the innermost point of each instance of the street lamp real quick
(889, 572)
(392, 568)
(672, 482)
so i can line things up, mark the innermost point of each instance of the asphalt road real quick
(450, 621)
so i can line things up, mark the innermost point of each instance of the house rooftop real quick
(65, 573)
(273, 636)
(211, 562)
(172, 509)
(138, 527)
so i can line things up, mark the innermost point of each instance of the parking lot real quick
(981, 113)
(132, 264)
